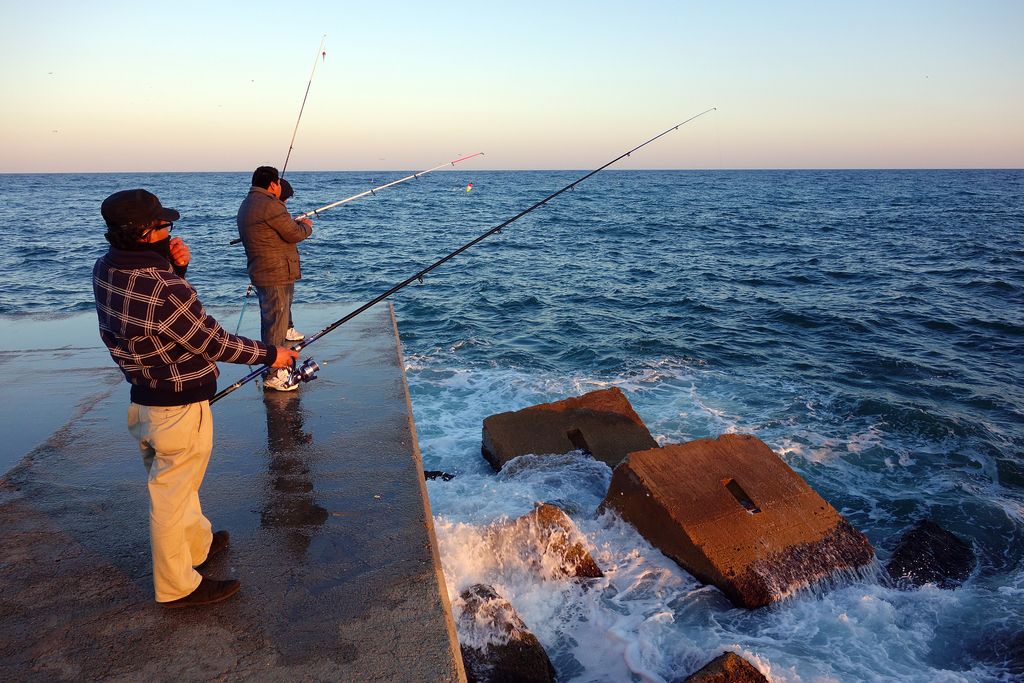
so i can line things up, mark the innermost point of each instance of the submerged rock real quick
(547, 539)
(430, 475)
(496, 645)
(930, 554)
(728, 667)
(733, 514)
(602, 423)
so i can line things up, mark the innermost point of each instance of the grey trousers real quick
(275, 311)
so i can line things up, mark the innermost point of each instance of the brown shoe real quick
(221, 539)
(208, 592)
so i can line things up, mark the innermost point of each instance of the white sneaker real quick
(279, 381)
(293, 335)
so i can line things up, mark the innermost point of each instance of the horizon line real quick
(555, 170)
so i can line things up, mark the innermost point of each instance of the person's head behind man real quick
(286, 190)
(267, 178)
(136, 216)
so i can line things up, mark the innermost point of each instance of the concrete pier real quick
(322, 490)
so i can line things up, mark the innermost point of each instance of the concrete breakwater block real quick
(546, 540)
(734, 515)
(602, 423)
(495, 643)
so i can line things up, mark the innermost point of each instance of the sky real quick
(217, 86)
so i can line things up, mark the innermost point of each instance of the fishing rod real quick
(375, 190)
(307, 371)
(317, 212)
(320, 54)
(245, 301)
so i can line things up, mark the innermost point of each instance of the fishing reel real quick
(303, 373)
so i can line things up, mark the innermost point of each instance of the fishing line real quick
(375, 190)
(307, 371)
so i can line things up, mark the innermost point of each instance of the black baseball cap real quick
(134, 208)
(286, 190)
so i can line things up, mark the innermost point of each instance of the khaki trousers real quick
(175, 442)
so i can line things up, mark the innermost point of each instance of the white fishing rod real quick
(316, 212)
(320, 54)
(375, 190)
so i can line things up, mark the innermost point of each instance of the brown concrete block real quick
(733, 514)
(603, 423)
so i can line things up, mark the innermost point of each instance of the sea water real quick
(867, 325)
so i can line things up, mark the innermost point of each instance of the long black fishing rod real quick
(320, 54)
(308, 369)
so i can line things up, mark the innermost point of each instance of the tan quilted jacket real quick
(269, 235)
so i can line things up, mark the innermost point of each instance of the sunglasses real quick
(162, 226)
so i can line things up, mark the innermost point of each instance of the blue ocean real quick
(867, 325)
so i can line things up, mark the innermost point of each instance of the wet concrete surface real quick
(322, 490)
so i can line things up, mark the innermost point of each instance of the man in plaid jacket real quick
(158, 333)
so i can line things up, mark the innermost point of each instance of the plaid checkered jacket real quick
(157, 332)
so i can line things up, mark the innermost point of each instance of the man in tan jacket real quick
(269, 234)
